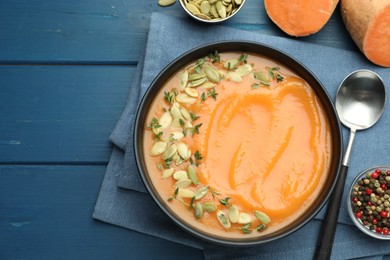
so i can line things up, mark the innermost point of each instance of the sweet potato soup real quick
(237, 145)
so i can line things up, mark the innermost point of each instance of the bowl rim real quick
(355, 221)
(280, 57)
(210, 21)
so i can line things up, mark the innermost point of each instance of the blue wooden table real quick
(65, 71)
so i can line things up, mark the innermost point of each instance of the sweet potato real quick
(300, 17)
(368, 23)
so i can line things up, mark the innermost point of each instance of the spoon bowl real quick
(360, 102)
(361, 99)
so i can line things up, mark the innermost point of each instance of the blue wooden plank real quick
(46, 214)
(60, 114)
(72, 31)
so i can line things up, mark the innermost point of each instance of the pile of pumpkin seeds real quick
(212, 10)
(179, 121)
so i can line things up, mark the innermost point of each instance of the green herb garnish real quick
(195, 129)
(273, 72)
(225, 201)
(246, 229)
(198, 156)
(215, 57)
(212, 93)
(203, 96)
(193, 116)
(243, 58)
(169, 96)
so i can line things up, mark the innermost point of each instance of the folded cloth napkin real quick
(124, 201)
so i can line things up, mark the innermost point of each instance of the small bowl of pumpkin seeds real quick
(212, 11)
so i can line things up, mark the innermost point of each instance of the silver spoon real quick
(360, 101)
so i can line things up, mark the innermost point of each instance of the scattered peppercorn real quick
(371, 201)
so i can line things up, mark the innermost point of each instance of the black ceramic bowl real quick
(273, 54)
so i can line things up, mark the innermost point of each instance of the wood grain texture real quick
(71, 31)
(65, 71)
(46, 214)
(60, 114)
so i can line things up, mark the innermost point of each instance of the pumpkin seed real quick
(244, 69)
(223, 219)
(212, 74)
(192, 8)
(185, 193)
(186, 115)
(208, 85)
(197, 82)
(213, 12)
(185, 99)
(221, 9)
(180, 175)
(175, 111)
(167, 173)
(203, 16)
(234, 76)
(184, 80)
(176, 122)
(201, 192)
(229, 9)
(166, 2)
(198, 210)
(169, 152)
(182, 184)
(176, 135)
(177, 159)
(244, 218)
(262, 217)
(209, 207)
(191, 92)
(212, 1)
(234, 214)
(183, 151)
(205, 7)
(231, 64)
(156, 130)
(165, 120)
(196, 76)
(261, 76)
(191, 171)
(158, 148)
(188, 125)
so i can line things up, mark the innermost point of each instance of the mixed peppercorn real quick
(371, 201)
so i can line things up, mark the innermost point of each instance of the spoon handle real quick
(328, 228)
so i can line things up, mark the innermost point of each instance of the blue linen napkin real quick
(123, 199)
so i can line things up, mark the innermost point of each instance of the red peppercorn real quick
(375, 174)
(359, 214)
(388, 172)
(383, 186)
(374, 221)
(385, 231)
(354, 200)
(378, 230)
(368, 191)
(384, 214)
(369, 203)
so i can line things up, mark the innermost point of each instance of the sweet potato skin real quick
(300, 17)
(368, 25)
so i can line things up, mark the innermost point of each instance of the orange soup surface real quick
(237, 145)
